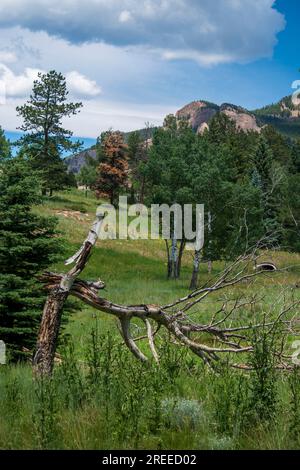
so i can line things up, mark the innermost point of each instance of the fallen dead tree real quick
(208, 340)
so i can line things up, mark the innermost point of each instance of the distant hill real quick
(283, 115)
(75, 162)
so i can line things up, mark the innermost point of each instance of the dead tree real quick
(51, 318)
(209, 340)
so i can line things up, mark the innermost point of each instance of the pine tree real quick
(87, 175)
(221, 129)
(262, 161)
(278, 144)
(113, 168)
(45, 138)
(27, 245)
(137, 157)
(4, 145)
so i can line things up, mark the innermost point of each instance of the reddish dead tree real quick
(224, 333)
(113, 169)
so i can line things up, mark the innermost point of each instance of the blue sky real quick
(133, 61)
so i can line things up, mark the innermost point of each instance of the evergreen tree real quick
(138, 150)
(295, 164)
(237, 144)
(291, 213)
(264, 177)
(27, 245)
(112, 171)
(279, 145)
(87, 175)
(221, 129)
(135, 145)
(45, 138)
(4, 145)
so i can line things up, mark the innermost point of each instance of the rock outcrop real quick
(244, 120)
(199, 114)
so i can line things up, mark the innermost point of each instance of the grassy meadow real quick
(101, 397)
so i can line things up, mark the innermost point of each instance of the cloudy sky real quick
(132, 61)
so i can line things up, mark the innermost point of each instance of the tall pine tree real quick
(45, 138)
(4, 145)
(27, 245)
(264, 178)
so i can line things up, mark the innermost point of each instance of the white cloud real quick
(125, 75)
(193, 29)
(7, 56)
(81, 85)
(17, 85)
(99, 115)
(104, 64)
(20, 85)
(125, 16)
(206, 60)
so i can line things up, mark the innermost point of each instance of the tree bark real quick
(196, 263)
(209, 265)
(169, 264)
(225, 337)
(174, 255)
(51, 319)
(179, 259)
(142, 192)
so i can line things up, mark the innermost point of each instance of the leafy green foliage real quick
(4, 146)
(88, 173)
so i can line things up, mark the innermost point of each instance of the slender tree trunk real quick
(196, 263)
(179, 259)
(209, 265)
(142, 193)
(174, 257)
(169, 265)
(132, 195)
(49, 329)
(112, 199)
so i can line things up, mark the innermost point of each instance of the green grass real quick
(102, 398)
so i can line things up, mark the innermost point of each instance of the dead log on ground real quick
(209, 340)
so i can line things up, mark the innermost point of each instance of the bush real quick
(182, 413)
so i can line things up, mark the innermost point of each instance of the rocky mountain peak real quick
(200, 113)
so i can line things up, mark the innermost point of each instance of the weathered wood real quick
(51, 319)
(231, 339)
